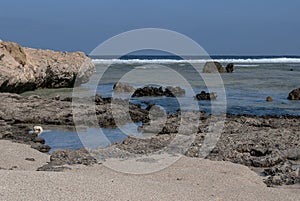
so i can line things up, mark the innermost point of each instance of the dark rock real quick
(41, 147)
(213, 67)
(67, 99)
(39, 140)
(282, 174)
(294, 95)
(57, 98)
(259, 151)
(229, 68)
(148, 91)
(158, 91)
(206, 96)
(71, 157)
(53, 168)
(29, 110)
(29, 159)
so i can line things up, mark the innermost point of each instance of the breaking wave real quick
(170, 61)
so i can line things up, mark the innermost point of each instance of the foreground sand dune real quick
(187, 179)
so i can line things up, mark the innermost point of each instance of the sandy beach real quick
(187, 179)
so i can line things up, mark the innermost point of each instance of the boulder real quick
(169, 91)
(294, 95)
(23, 69)
(41, 147)
(213, 67)
(229, 68)
(206, 96)
(120, 87)
(269, 99)
(149, 91)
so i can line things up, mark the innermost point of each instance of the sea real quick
(242, 92)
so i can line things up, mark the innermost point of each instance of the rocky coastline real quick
(26, 69)
(269, 145)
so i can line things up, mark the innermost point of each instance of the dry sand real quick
(187, 179)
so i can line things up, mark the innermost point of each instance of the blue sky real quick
(230, 27)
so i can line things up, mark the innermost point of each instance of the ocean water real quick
(245, 90)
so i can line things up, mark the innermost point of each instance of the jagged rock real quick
(213, 67)
(148, 91)
(159, 91)
(294, 95)
(206, 96)
(229, 68)
(41, 147)
(283, 173)
(59, 112)
(39, 140)
(24, 69)
(259, 151)
(70, 157)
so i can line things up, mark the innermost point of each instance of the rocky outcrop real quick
(120, 87)
(257, 142)
(294, 95)
(24, 69)
(149, 91)
(285, 173)
(206, 96)
(229, 68)
(216, 67)
(19, 134)
(37, 110)
(159, 91)
(34, 110)
(213, 67)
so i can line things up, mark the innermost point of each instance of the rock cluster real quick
(60, 158)
(159, 91)
(216, 67)
(20, 134)
(285, 173)
(258, 142)
(23, 69)
(206, 96)
(59, 112)
(41, 111)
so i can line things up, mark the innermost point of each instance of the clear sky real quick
(230, 27)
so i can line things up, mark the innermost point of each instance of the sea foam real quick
(171, 61)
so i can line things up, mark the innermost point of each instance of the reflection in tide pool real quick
(89, 138)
